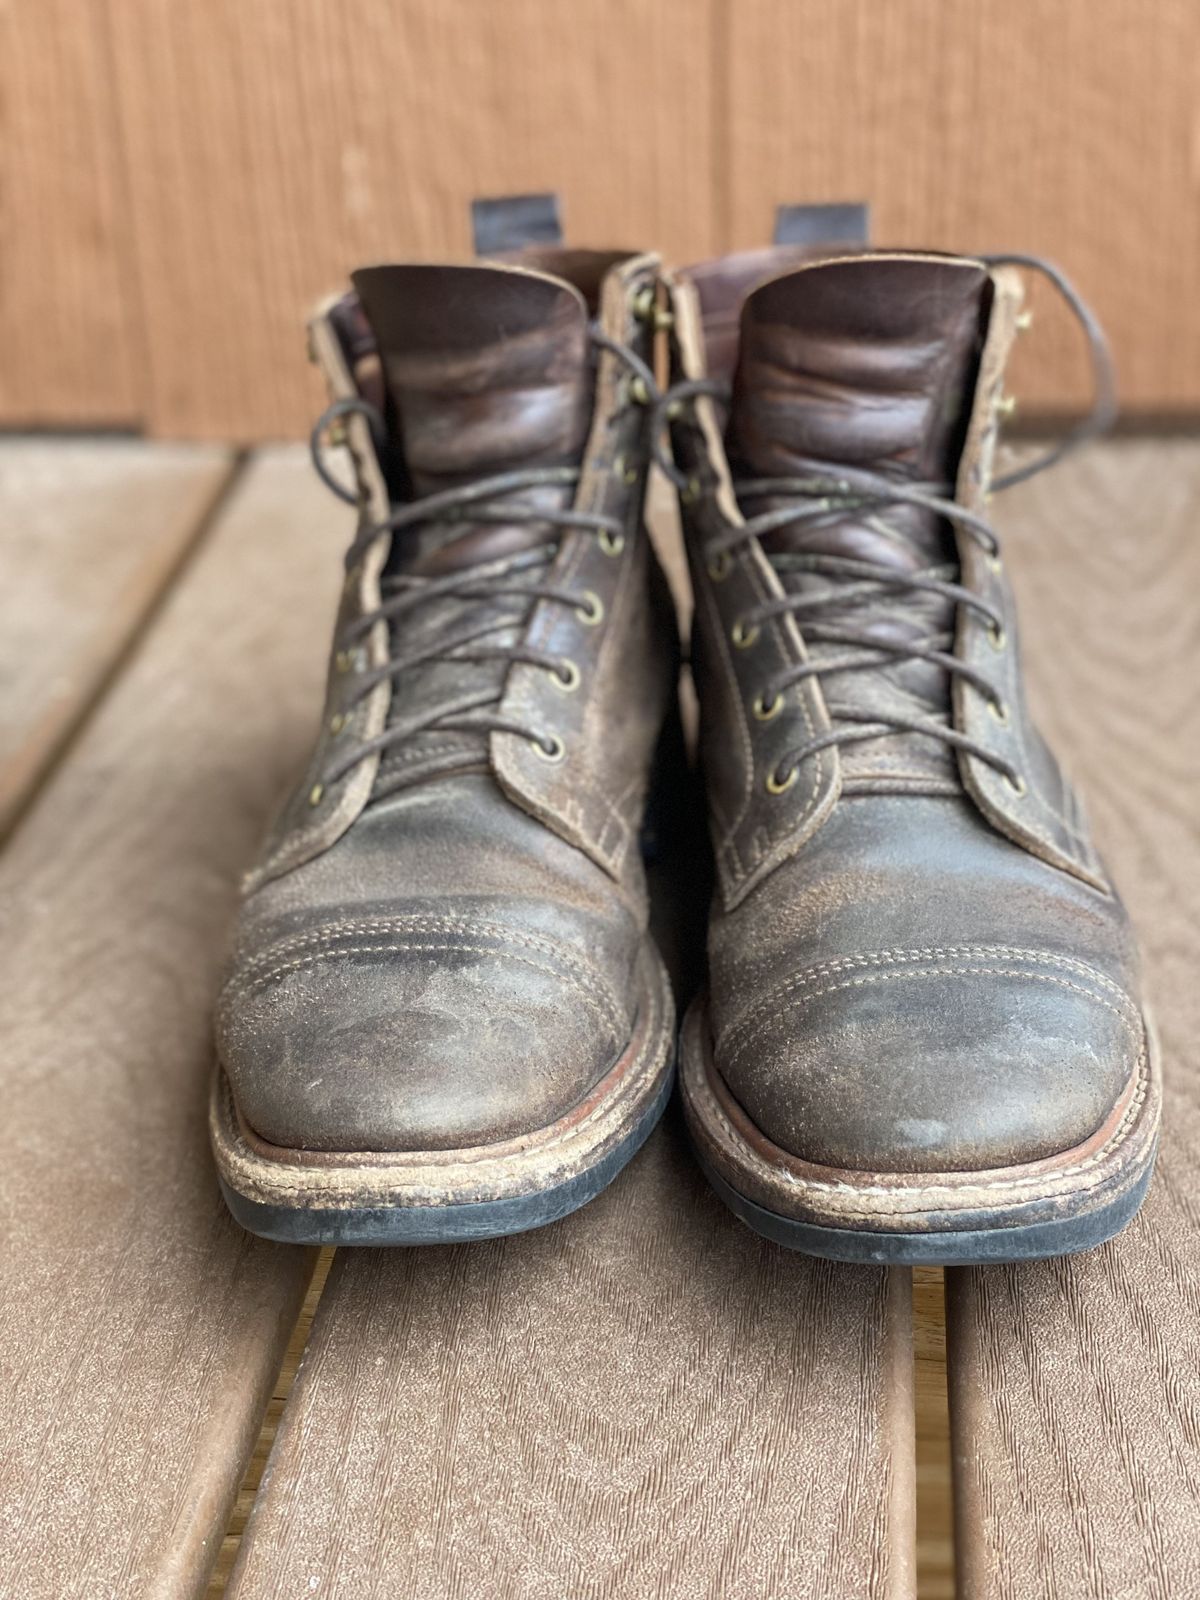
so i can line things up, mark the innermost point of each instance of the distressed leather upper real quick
(916, 963)
(439, 946)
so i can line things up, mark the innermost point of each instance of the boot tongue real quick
(866, 363)
(486, 370)
(869, 363)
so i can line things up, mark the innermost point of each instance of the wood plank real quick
(95, 530)
(142, 1329)
(1076, 1383)
(1065, 129)
(329, 139)
(643, 1400)
(72, 352)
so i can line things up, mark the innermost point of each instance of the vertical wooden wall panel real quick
(69, 352)
(272, 147)
(1069, 128)
(178, 182)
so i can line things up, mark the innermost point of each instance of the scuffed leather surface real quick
(449, 974)
(457, 967)
(913, 992)
(916, 983)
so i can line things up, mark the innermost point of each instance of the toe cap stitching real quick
(247, 987)
(883, 958)
(1127, 1014)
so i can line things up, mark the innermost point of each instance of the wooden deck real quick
(431, 1417)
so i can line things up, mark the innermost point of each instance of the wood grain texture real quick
(91, 533)
(1076, 1383)
(272, 147)
(643, 1400)
(141, 1328)
(1066, 129)
(68, 297)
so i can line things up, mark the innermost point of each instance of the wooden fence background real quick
(179, 180)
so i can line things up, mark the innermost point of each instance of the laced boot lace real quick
(520, 577)
(821, 496)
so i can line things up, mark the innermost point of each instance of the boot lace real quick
(819, 497)
(519, 578)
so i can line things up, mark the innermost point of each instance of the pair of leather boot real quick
(921, 1037)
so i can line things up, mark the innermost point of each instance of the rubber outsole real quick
(975, 1247)
(453, 1223)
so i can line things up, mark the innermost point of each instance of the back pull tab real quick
(512, 221)
(836, 222)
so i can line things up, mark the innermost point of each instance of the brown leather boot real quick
(923, 1037)
(444, 1017)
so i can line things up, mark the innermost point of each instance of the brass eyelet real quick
(343, 661)
(690, 492)
(999, 712)
(337, 722)
(720, 566)
(764, 710)
(1018, 785)
(1024, 321)
(995, 564)
(778, 785)
(315, 794)
(590, 608)
(1005, 406)
(997, 637)
(566, 677)
(637, 391)
(644, 302)
(550, 749)
(625, 469)
(611, 543)
(743, 637)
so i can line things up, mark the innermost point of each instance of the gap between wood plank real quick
(935, 1518)
(280, 1391)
